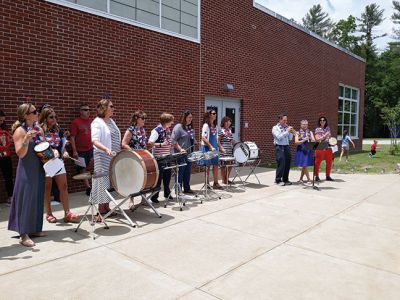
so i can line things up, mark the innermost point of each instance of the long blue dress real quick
(303, 157)
(26, 214)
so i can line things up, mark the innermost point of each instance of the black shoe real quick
(169, 197)
(288, 183)
(155, 201)
(329, 178)
(189, 192)
(317, 179)
(88, 190)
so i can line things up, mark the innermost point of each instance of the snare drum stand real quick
(177, 187)
(94, 212)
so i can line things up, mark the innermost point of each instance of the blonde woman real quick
(26, 213)
(106, 139)
(303, 158)
(55, 137)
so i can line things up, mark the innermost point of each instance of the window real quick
(348, 107)
(175, 17)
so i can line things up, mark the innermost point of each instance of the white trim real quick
(350, 113)
(128, 21)
(294, 24)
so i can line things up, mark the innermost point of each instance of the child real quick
(345, 145)
(373, 149)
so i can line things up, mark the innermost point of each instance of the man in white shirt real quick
(282, 134)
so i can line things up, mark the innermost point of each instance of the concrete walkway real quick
(267, 242)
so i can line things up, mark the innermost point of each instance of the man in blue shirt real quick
(282, 134)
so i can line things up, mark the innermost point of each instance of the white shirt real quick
(101, 133)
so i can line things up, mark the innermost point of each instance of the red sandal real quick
(70, 217)
(51, 219)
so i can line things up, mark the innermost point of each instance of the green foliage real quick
(343, 34)
(396, 16)
(318, 21)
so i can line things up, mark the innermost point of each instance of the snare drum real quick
(227, 160)
(132, 171)
(244, 151)
(44, 152)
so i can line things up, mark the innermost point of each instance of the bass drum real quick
(132, 171)
(245, 151)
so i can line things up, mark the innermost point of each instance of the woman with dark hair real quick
(54, 135)
(26, 213)
(209, 142)
(135, 136)
(322, 135)
(225, 143)
(5, 155)
(106, 139)
(161, 142)
(184, 138)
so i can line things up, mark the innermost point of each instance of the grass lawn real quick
(360, 162)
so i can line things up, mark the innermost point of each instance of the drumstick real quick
(73, 159)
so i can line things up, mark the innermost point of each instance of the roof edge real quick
(307, 31)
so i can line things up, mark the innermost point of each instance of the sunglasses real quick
(33, 112)
(85, 109)
(213, 113)
(322, 120)
(111, 106)
(52, 117)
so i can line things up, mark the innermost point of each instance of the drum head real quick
(41, 146)
(127, 173)
(241, 152)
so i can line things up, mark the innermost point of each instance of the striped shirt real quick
(158, 136)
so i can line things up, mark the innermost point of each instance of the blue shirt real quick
(346, 140)
(281, 135)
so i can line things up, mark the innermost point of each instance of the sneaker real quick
(317, 179)
(288, 183)
(329, 178)
(280, 183)
(189, 192)
(88, 190)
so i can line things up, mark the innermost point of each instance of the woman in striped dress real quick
(225, 144)
(106, 139)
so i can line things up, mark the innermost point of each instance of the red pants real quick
(321, 155)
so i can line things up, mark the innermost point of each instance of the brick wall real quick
(62, 56)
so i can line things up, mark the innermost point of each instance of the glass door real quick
(226, 107)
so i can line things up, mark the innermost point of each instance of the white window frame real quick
(357, 101)
(133, 22)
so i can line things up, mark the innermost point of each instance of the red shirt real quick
(80, 129)
(373, 147)
(5, 143)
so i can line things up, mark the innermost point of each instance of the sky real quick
(337, 9)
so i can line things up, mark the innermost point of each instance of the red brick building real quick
(171, 55)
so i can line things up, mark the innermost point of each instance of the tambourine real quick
(332, 141)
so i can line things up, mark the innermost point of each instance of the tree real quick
(396, 16)
(343, 34)
(370, 18)
(318, 21)
(385, 92)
